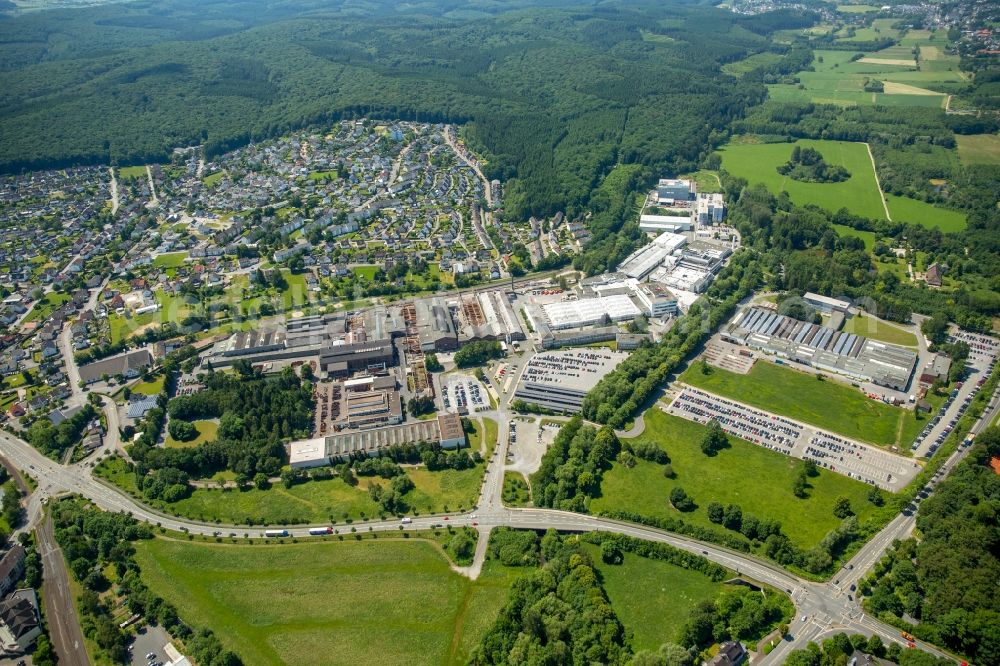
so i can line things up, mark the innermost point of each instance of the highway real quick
(826, 607)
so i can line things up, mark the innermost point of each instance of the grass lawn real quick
(826, 404)
(366, 272)
(170, 259)
(879, 330)
(154, 387)
(707, 181)
(207, 431)
(172, 308)
(653, 598)
(46, 305)
(979, 148)
(757, 479)
(759, 163)
(904, 209)
(131, 172)
(395, 596)
(213, 178)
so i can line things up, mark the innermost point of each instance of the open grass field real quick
(979, 148)
(867, 236)
(856, 9)
(207, 432)
(875, 329)
(707, 181)
(757, 479)
(131, 172)
(313, 502)
(748, 64)
(172, 308)
(758, 163)
(826, 404)
(170, 260)
(391, 601)
(904, 209)
(653, 598)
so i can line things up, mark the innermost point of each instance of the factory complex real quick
(822, 347)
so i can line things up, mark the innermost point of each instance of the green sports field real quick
(826, 404)
(386, 601)
(757, 479)
(759, 163)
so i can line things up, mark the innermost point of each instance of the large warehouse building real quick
(824, 348)
(590, 311)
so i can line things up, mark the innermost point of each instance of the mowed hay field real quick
(757, 479)
(385, 601)
(827, 404)
(759, 163)
(979, 148)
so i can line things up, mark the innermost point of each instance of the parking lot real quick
(149, 640)
(463, 394)
(838, 454)
(983, 352)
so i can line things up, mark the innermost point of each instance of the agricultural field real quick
(859, 193)
(873, 328)
(207, 432)
(838, 80)
(826, 404)
(652, 597)
(979, 148)
(904, 209)
(757, 479)
(329, 598)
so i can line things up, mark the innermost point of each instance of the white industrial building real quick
(658, 301)
(662, 223)
(711, 209)
(825, 303)
(646, 259)
(590, 311)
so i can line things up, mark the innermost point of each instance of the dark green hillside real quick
(554, 95)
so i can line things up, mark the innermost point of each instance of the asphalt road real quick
(826, 607)
(64, 625)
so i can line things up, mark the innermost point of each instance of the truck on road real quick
(319, 531)
(275, 533)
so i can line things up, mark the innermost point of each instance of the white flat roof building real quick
(590, 311)
(825, 303)
(308, 453)
(668, 223)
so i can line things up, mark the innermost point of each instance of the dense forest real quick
(553, 94)
(946, 581)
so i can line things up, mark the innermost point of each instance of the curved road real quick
(821, 607)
